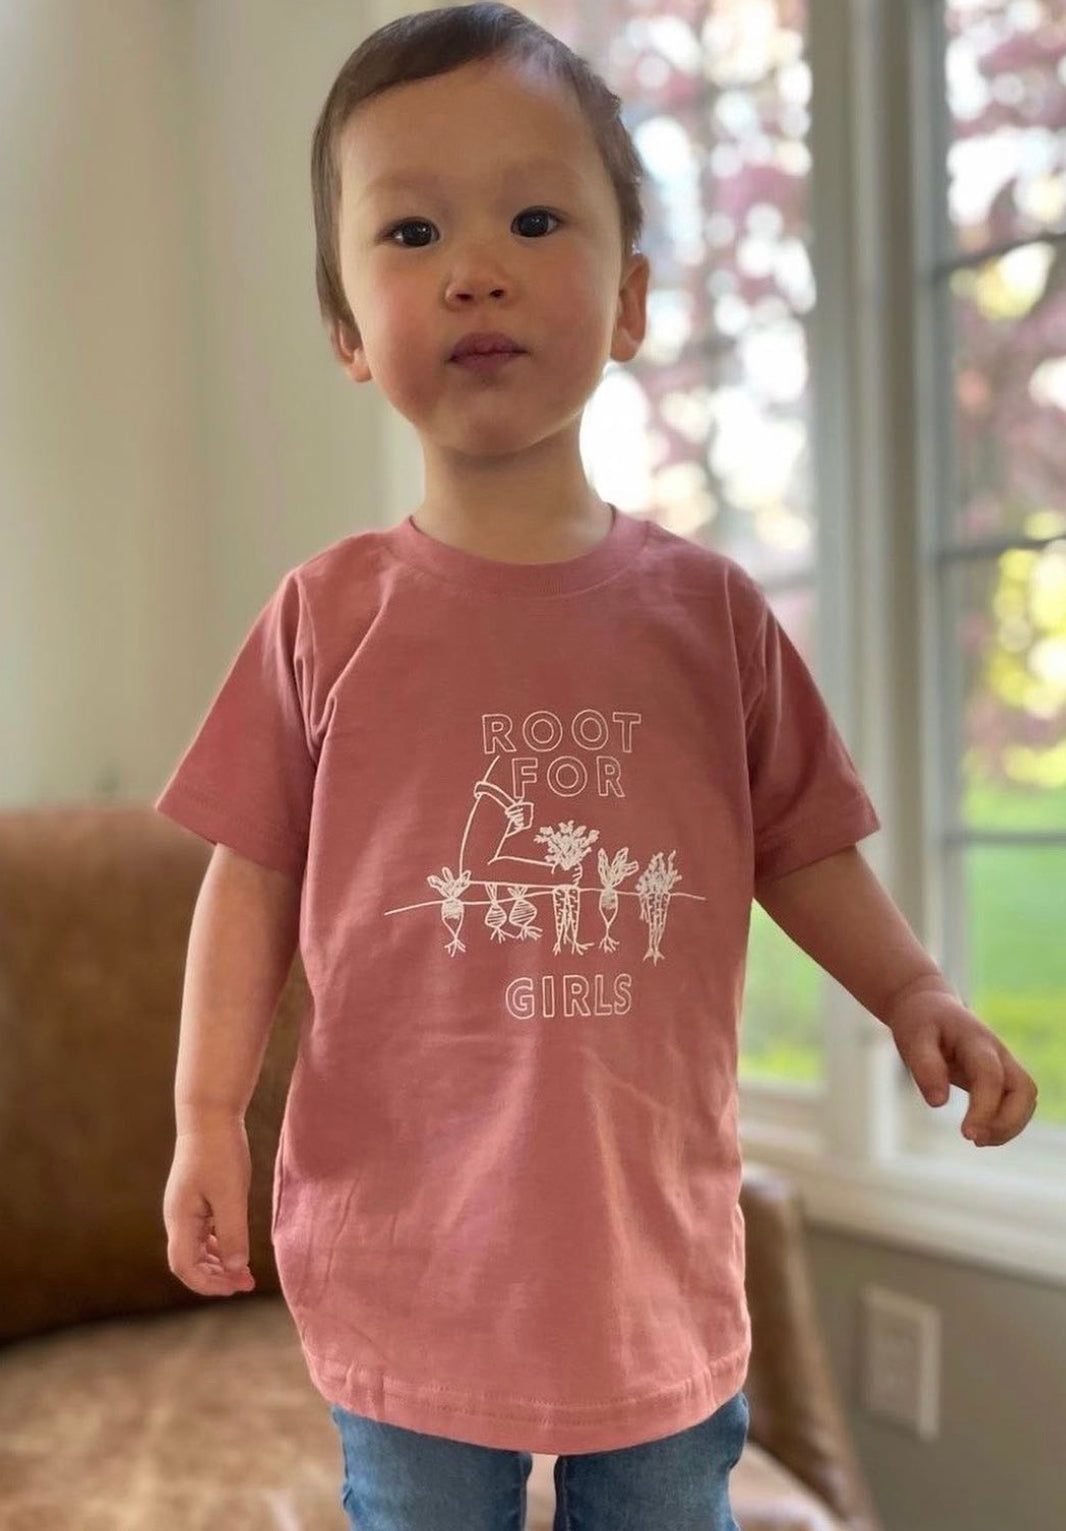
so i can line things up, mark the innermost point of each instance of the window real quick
(709, 427)
(992, 237)
(854, 383)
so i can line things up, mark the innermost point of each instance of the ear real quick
(631, 319)
(348, 349)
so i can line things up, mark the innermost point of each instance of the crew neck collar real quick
(622, 542)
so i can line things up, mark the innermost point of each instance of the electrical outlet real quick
(901, 1360)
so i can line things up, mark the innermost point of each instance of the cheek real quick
(405, 345)
(576, 345)
(401, 326)
(580, 323)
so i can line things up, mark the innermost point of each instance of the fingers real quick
(1002, 1095)
(985, 1071)
(1015, 1109)
(239, 1278)
(200, 1268)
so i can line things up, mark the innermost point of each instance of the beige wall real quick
(999, 1463)
(174, 431)
(174, 434)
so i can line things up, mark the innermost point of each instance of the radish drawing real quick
(496, 915)
(523, 913)
(451, 911)
(611, 874)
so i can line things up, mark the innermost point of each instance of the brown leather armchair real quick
(125, 1399)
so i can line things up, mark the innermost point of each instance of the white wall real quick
(174, 430)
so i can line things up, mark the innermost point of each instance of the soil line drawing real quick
(567, 845)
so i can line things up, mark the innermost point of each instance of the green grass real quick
(1016, 982)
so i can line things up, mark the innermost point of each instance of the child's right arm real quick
(242, 940)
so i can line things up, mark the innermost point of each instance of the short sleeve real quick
(247, 779)
(807, 800)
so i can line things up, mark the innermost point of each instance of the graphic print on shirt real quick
(502, 815)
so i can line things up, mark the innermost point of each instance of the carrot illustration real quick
(567, 848)
(654, 886)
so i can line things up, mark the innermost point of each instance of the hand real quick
(942, 1043)
(205, 1208)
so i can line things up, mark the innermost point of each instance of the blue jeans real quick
(401, 1480)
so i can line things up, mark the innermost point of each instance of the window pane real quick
(1016, 962)
(1007, 625)
(707, 428)
(1006, 89)
(781, 1029)
(1003, 704)
(1009, 319)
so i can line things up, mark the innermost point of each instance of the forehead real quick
(485, 123)
(411, 177)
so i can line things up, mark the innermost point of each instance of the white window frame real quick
(869, 1156)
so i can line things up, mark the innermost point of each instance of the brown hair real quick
(434, 42)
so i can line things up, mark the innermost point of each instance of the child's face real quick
(482, 254)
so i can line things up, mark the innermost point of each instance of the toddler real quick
(510, 773)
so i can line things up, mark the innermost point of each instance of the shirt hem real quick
(823, 832)
(534, 1426)
(212, 819)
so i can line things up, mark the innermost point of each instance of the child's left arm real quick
(839, 913)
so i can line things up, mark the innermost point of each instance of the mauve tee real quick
(527, 804)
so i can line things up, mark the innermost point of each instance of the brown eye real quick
(422, 223)
(537, 212)
(408, 223)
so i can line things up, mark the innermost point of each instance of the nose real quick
(467, 288)
(477, 273)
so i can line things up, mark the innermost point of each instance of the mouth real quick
(486, 343)
(486, 361)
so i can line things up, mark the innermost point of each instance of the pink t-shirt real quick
(527, 803)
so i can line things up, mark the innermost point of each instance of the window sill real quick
(932, 1202)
